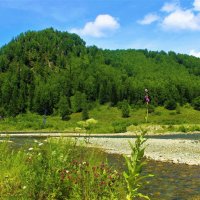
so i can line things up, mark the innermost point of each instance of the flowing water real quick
(170, 181)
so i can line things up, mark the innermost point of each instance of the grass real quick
(109, 121)
(59, 169)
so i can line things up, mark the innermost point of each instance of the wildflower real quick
(30, 149)
(40, 144)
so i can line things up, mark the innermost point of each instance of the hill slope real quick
(50, 70)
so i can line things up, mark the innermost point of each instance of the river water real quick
(170, 181)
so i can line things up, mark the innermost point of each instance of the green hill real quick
(49, 70)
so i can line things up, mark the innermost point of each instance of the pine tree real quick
(85, 113)
(64, 108)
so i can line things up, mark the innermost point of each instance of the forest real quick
(51, 71)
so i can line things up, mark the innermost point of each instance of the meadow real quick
(108, 120)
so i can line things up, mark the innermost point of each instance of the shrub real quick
(151, 108)
(182, 129)
(196, 103)
(178, 109)
(64, 108)
(120, 126)
(170, 104)
(125, 109)
(88, 124)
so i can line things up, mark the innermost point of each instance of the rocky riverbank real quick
(174, 150)
(167, 150)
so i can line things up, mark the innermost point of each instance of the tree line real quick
(50, 71)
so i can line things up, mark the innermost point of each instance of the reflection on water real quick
(171, 181)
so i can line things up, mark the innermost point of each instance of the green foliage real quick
(133, 177)
(170, 104)
(77, 101)
(57, 169)
(178, 109)
(88, 124)
(38, 66)
(120, 126)
(64, 108)
(151, 108)
(85, 112)
(2, 112)
(125, 109)
(109, 120)
(196, 103)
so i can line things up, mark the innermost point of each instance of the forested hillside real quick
(49, 70)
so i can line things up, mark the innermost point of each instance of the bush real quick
(151, 108)
(125, 109)
(178, 109)
(85, 113)
(2, 112)
(170, 104)
(121, 126)
(64, 108)
(196, 103)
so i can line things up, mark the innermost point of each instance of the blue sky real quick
(113, 24)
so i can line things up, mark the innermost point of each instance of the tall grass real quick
(57, 169)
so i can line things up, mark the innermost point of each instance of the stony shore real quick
(166, 150)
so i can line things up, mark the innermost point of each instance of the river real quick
(171, 181)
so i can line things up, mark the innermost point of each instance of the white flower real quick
(24, 187)
(30, 149)
(40, 144)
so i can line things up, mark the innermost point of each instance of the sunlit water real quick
(171, 181)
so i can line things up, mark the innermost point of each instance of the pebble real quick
(167, 150)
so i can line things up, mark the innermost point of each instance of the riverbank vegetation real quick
(59, 169)
(108, 119)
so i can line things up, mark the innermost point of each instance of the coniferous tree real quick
(85, 112)
(64, 108)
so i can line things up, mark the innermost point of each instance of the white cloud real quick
(169, 7)
(196, 5)
(182, 20)
(100, 27)
(174, 17)
(148, 19)
(194, 53)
